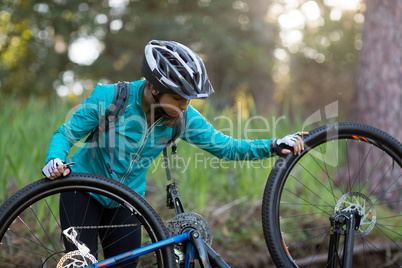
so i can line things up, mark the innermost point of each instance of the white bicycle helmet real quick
(175, 69)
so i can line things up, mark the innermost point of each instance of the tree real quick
(323, 62)
(34, 43)
(378, 91)
(232, 37)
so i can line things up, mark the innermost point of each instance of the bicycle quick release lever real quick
(68, 164)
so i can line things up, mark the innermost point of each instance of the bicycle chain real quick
(106, 226)
(128, 225)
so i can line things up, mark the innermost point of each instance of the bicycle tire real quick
(300, 189)
(30, 229)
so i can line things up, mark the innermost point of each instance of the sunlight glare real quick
(311, 10)
(291, 37)
(343, 4)
(280, 54)
(336, 14)
(85, 50)
(294, 19)
(117, 3)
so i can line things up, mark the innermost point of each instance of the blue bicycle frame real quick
(195, 246)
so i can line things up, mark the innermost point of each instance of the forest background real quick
(294, 63)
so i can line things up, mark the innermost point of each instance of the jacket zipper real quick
(149, 131)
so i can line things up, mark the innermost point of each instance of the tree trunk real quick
(378, 90)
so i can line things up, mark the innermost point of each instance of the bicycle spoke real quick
(378, 251)
(304, 204)
(348, 164)
(377, 165)
(378, 226)
(311, 191)
(306, 214)
(326, 172)
(312, 238)
(307, 202)
(306, 229)
(317, 180)
(44, 231)
(390, 217)
(313, 241)
(386, 191)
(361, 166)
(36, 239)
(9, 246)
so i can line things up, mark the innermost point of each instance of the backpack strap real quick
(117, 110)
(108, 122)
(177, 129)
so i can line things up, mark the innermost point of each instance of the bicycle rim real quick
(31, 234)
(345, 166)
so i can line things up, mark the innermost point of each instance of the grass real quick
(24, 138)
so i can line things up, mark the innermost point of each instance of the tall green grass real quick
(26, 130)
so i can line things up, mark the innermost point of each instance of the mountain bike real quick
(331, 206)
(32, 236)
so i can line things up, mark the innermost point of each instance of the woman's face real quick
(173, 104)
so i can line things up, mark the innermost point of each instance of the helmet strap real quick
(156, 97)
(158, 110)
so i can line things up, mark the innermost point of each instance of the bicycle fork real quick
(344, 223)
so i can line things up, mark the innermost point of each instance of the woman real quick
(174, 75)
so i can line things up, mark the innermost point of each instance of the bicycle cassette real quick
(185, 222)
(76, 259)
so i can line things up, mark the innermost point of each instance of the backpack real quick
(112, 115)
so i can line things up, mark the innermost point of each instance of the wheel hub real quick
(355, 201)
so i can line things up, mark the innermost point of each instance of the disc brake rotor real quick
(76, 259)
(360, 202)
(185, 222)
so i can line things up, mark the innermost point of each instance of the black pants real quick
(78, 209)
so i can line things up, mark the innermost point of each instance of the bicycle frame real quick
(195, 247)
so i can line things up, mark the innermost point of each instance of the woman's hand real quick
(283, 146)
(56, 168)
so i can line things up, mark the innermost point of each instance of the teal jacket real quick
(137, 145)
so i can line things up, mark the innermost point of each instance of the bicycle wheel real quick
(30, 230)
(346, 166)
